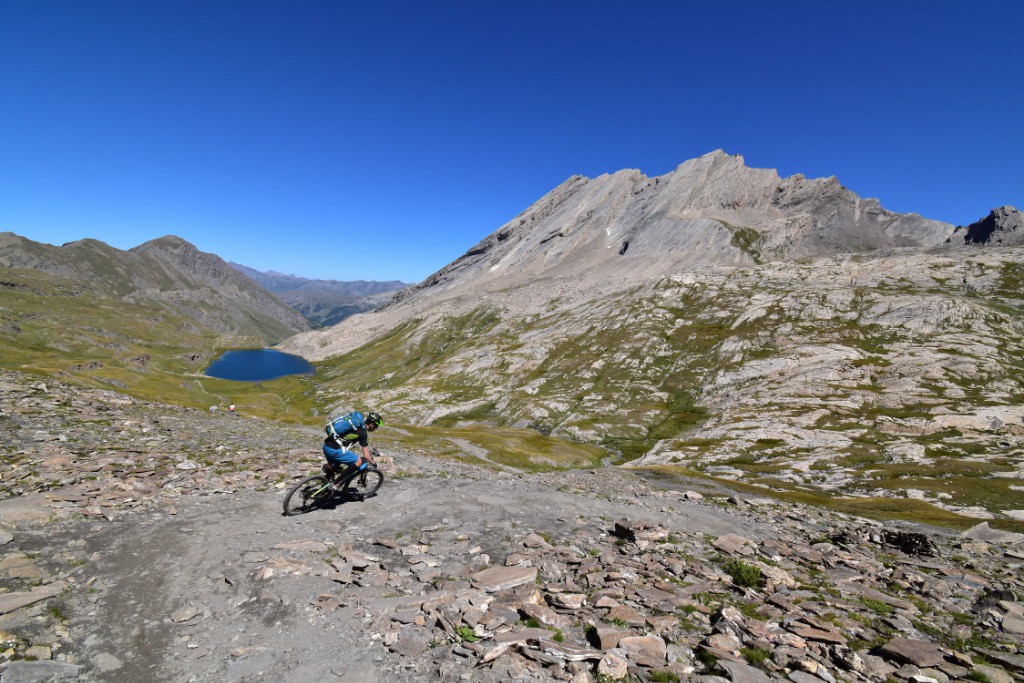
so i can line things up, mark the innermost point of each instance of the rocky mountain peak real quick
(710, 211)
(168, 242)
(87, 242)
(1004, 226)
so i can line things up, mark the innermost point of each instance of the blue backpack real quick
(349, 422)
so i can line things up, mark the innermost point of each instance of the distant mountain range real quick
(324, 302)
(168, 272)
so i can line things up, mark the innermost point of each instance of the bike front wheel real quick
(308, 494)
(366, 483)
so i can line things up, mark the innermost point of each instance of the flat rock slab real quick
(920, 653)
(33, 508)
(570, 653)
(1013, 624)
(12, 601)
(820, 635)
(803, 677)
(735, 544)
(608, 637)
(1004, 658)
(36, 672)
(546, 616)
(185, 613)
(503, 578)
(744, 673)
(410, 647)
(644, 650)
(983, 532)
(523, 636)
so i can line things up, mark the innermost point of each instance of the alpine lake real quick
(257, 365)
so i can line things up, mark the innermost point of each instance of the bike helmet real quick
(374, 419)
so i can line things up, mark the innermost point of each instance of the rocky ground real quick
(146, 542)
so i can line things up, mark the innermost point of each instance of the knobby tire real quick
(373, 479)
(308, 494)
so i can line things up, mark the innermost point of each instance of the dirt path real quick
(229, 589)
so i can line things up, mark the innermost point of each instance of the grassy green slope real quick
(618, 382)
(55, 326)
(168, 273)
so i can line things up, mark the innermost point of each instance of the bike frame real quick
(343, 479)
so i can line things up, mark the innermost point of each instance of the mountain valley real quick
(324, 302)
(145, 322)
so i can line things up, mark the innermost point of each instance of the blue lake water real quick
(255, 365)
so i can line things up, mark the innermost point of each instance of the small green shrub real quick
(707, 659)
(879, 608)
(743, 575)
(466, 633)
(749, 610)
(664, 677)
(755, 656)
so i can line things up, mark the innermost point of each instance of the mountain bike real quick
(320, 490)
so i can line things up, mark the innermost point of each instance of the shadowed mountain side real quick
(1003, 226)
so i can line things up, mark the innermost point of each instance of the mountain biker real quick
(338, 449)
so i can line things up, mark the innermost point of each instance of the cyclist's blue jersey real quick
(349, 438)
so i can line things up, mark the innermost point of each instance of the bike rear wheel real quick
(308, 494)
(366, 483)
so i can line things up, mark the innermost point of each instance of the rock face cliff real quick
(167, 271)
(1004, 226)
(713, 210)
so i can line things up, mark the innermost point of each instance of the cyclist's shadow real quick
(339, 499)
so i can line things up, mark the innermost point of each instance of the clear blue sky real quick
(283, 134)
